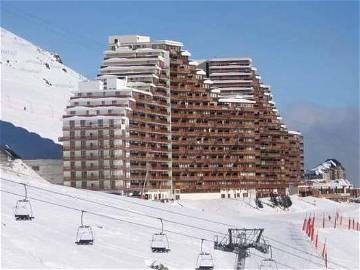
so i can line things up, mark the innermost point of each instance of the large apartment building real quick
(115, 138)
(281, 150)
(179, 129)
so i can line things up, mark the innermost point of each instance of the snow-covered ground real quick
(123, 241)
(35, 87)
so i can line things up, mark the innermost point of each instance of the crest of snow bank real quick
(35, 86)
(18, 171)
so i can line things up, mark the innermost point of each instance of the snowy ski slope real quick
(124, 226)
(35, 87)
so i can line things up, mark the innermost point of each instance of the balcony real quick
(107, 137)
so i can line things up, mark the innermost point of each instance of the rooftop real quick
(231, 59)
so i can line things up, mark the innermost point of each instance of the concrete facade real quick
(49, 169)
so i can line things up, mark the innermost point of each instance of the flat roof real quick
(231, 59)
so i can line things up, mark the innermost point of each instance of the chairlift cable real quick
(277, 248)
(148, 226)
(170, 221)
(108, 217)
(120, 208)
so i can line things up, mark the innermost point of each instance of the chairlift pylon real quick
(268, 263)
(85, 234)
(159, 241)
(23, 208)
(204, 260)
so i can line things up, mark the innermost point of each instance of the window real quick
(35, 168)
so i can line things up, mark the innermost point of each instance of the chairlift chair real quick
(268, 263)
(85, 234)
(23, 208)
(204, 260)
(159, 241)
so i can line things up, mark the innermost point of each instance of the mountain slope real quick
(124, 227)
(35, 86)
(27, 144)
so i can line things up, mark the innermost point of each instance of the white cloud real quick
(329, 132)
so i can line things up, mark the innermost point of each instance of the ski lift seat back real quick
(268, 264)
(23, 210)
(85, 234)
(205, 260)
(159, 241)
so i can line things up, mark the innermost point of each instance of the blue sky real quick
(307, 51)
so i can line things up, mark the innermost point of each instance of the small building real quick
(331, 169)
(327, 180)
(49, 169)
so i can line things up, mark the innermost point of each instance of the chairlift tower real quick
(239, 241)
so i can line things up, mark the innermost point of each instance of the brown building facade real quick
(192, 136)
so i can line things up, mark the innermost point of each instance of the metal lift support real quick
(239, 241)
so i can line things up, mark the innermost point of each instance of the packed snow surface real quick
(35, 86)
(124, 227)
